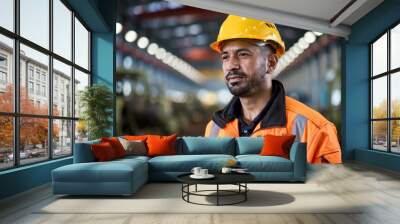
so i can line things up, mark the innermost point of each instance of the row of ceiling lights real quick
(298, 48)
(160, 53)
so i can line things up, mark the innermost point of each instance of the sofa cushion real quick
(135, 137)
(277, 145)
(161, 145)
(185, 163)
(249, 145)
(103, 152)
(205, 145)
(116, 145)
(134, 147)
(257, 163)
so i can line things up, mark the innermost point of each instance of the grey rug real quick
(166, 198)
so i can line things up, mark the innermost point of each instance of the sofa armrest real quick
(298, 155)
(83, 153)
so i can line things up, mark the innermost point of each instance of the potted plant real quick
(96, 104)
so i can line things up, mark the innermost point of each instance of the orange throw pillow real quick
(161, 145)
(277, 145)
(116, 145)
(103, 152)
(135, 137)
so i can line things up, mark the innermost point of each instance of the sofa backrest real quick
(205, 145)
(83, 152)
(249, 145)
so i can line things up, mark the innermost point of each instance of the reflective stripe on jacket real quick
(308, 125)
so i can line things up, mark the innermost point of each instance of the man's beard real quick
(243, 87)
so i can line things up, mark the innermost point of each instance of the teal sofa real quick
(125, 176)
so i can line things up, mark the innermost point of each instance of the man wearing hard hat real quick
(249, 51)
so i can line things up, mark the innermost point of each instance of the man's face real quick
(244, 67)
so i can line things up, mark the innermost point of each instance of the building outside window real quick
(30, 72)
(58, 128)
(37, 74)
(385, 95)
(3, 72)
(43, 90)
(44, 77)
(30, 87)
(3, 78)
(38, 89)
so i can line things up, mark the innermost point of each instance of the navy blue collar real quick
(273, 114)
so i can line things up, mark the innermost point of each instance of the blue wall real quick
(24, 178)
(356, 85)
(99, 15)
(103, 58)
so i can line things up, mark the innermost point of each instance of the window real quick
(3, 61)
(6, 71)
(7, 14)
(30, 72)
(3, 78)
(62, 29)
(62, 140)
(37, 74)
(6, 142)
(46, 131)
(38, 89)
(81, 45)
(81, 81)
(30, 87)
(3, 72)
(44, 91)
(34, 22)
(385, 96)
(62, 74)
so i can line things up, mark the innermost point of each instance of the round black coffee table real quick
(238, 179)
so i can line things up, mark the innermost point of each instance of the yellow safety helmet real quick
(237, 27)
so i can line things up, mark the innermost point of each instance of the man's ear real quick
(272, 62)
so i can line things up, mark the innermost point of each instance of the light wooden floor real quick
(378, 188)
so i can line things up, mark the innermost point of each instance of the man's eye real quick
(224, 57)
(243, 54)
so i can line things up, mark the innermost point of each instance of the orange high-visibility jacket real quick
(286, 116)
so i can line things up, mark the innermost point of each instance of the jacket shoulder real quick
(312, 115)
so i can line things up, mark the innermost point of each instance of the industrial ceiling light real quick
(317, 33)
(303, 43)
(143, 42)
(166, 57)
(152, 49)
(291, 54)
(310, 37)
(130, 36)
(297, 49)
(160, 53)
(118, 28)
(194, 29)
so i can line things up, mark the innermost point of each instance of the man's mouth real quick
(233, 80)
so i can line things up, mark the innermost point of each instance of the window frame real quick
(388, 74)
(16, 114)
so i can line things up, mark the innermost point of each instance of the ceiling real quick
(326, 16)
(182, 30)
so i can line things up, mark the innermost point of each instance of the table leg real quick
(245, 193)
(217, 194)
(188, 189)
